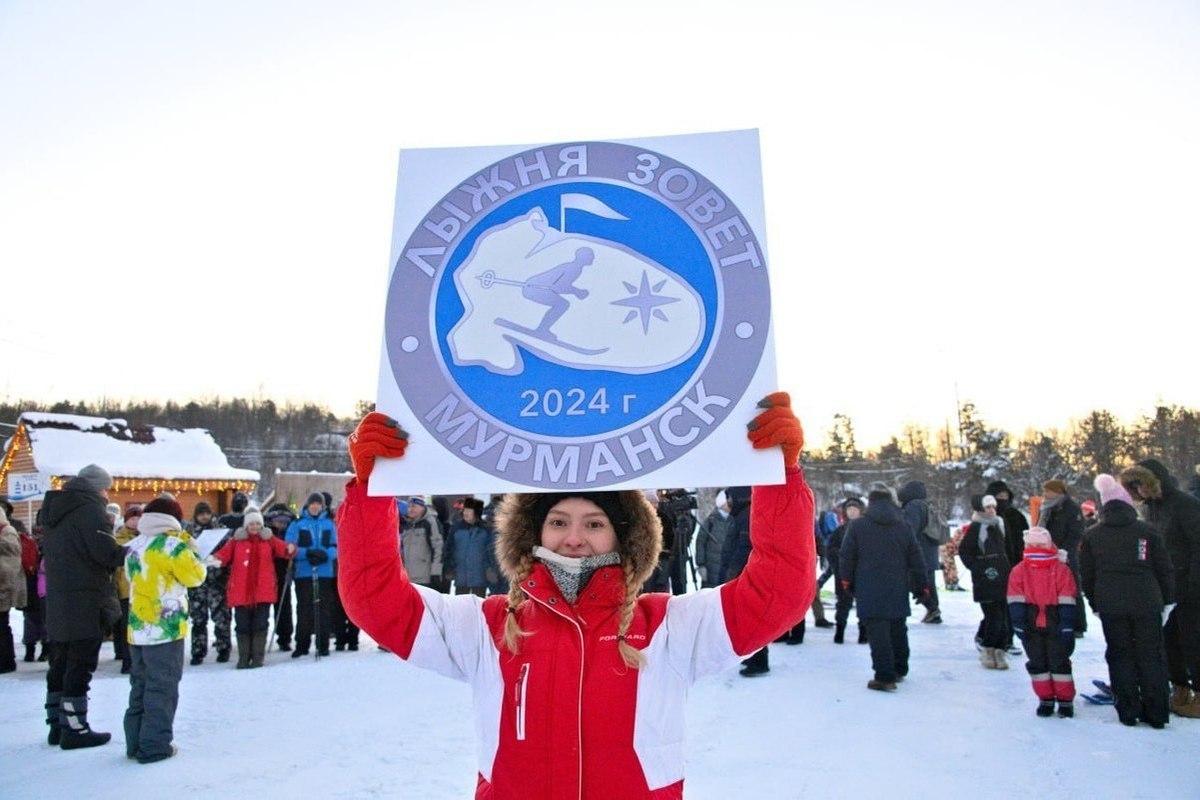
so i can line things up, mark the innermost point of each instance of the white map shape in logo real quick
(575, 300)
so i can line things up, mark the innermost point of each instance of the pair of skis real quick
(1103, 695)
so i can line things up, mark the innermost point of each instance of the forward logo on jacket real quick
(554, 320)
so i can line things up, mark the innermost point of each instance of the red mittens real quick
(778, 426)
(377, 435)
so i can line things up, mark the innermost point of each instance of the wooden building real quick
(143, 461)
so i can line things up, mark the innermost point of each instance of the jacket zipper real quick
(522, 681)
(579, 697)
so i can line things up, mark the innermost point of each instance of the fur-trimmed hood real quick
(1141, 480)
(640, 544)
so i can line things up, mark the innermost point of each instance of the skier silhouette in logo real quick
(548, 288)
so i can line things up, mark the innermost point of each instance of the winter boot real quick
(222, 656)
(76, 733)
(44, 655)
(881, 686)
(30, 654)
(1191, 708)
(243, 648)
(933, 617)
(1181, 697)
(796, 634)
(839, 635)
(53, 699)
(1000, 656)
(258, 649)
(987, 657)
(1066, 709)
(1045, 708)
(862, 635)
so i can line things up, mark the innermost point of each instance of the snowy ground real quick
(366, 724)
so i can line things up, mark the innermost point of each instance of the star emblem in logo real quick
(645, 301)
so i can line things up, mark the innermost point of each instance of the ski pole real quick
(316, 616)
(287, 588)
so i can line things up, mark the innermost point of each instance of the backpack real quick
(29, 554)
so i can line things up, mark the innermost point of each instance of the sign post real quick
(27, 486)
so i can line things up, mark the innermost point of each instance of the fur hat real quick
(239, 502)
(1054, 485)
(519, 520)
(475, 504)
(95, 477)
(1138, 480)
(881, 491)
(1110, 489)
(1038, 537)
(252, 515)
(163, 505)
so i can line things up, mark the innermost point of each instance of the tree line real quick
(262, 435)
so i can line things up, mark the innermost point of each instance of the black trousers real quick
(8, 652)
(252, 619)
(283, 606)
(71, 666)
(121, 636)
(889, 647)
(1182, 635)
(344, 631)
(1137, 669)
(845, 601)
(314, 614)
(993, 631)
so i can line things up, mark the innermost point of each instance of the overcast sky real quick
(196, 198)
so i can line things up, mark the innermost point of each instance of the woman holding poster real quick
(579, 683)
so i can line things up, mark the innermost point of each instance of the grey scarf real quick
(1047, 507)
(984, 526)
(572, 574)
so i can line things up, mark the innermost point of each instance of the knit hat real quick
(113, 508)
(609, 503)
(853, 502)
(315, 497)
(96, 477)
(201, 508)
(163, 505)
(987, 500)
(252, 515)
(1038, 537)
(239, 502)
(1110, 489)
(881, 491)
(134, 510)
(1088, 507)
(1054, 485)
(417, 501)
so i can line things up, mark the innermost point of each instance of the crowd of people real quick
(90, 571)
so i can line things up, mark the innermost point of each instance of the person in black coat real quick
(983, 552)
(1127, 578)
(1061, 515)
(81, 600)
(916, 514)
(1176, 515)
(878, 557)
(735, 553)
(852, 509)
(1015, 525)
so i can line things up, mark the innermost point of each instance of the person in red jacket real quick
(251, 555)
(1041, 603)
(579, 683)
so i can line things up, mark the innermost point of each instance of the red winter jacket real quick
(1041, 580)
(251, 569)
(566, 718)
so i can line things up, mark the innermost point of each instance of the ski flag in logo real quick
(582, 315)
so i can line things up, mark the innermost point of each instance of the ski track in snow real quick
(367, 725)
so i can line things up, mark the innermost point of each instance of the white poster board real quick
(28, 486)
(209, 540)
(578, 316)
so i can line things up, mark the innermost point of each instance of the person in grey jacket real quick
(709, 542)
(916, 513)
(878, 556)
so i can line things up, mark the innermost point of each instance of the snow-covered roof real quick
(65, 443)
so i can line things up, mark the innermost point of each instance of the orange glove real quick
(778, 426)
(377, 435)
